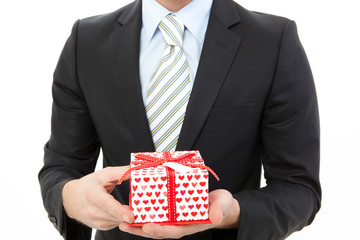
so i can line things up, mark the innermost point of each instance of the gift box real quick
(169, 187)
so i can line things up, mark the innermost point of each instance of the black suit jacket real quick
(253, 103)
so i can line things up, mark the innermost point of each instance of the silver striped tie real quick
(169, 90)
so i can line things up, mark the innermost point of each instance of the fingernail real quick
(126, 219)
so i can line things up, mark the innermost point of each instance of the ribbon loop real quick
(147, 161)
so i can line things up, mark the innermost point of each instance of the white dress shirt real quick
(195, 17)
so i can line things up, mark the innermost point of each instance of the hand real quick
(88, 199)
(224, 212)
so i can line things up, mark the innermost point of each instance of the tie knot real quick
(172, 30)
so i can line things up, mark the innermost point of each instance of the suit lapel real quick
(125, 59)
(219, 49)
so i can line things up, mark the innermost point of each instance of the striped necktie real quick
(169, 90)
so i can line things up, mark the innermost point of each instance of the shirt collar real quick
(194, 15)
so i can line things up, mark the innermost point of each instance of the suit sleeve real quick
(290, 151)
(73, 148)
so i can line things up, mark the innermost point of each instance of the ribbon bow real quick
(151, 161)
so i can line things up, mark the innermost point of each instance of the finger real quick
(116, 209)
(104, 225)
(113, 174)
(111, 206)
(220, 206)
(98, 219)
(135, 230)
(173, 231)
(215, 212)
(95, 214)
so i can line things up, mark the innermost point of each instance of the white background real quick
(33, 34)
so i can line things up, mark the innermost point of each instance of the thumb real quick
(113, 174)
(216, 212)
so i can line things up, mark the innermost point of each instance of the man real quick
(252, 102)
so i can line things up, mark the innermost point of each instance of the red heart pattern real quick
(149, 192)
(192, 189)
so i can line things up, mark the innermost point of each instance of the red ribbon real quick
(151, 161)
